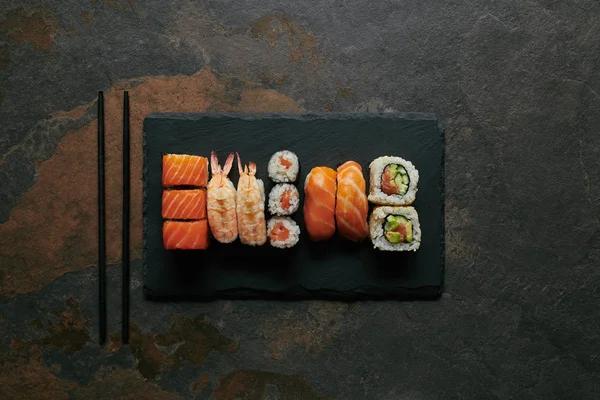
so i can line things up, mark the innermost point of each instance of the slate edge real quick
(297, 293)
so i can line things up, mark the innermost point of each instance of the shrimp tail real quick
(214, 163)
(252, 168)
(228, 164)
(240, 169)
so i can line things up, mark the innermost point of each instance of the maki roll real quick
(283, 167)
(284, 199)
(283, 232)
(393, 181)
(395, 228)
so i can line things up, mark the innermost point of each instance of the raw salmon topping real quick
(285, 199)
(279, 233)
(285, 162)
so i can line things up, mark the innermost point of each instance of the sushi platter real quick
(293, 206)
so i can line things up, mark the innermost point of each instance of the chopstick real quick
(101, 223)
(126, 204)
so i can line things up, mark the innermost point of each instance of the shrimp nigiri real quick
(250, 202)
(220, 201)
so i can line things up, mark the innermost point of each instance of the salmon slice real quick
(185, 235)
(319, 203)
(184, 170)
(351, 206)
(184, 204)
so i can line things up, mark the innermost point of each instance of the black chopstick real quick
(126, 204)
(101, 223)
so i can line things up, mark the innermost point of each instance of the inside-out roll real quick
(393, 181)
(395, 228)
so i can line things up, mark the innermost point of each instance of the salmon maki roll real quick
(283, 232)
(185, 235)
(283, 167)
(352, 206)
(184, 204)
(184, 170)
(284, 199)
(319, 203)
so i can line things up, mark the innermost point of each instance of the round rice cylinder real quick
(284, 193)
(283, 167)
(377, 196)
(276, 231)
(377, 221)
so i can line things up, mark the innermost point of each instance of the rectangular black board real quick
(336, 269)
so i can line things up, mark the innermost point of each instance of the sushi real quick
(283, 167)
(393, 181)
(184, 170)
(351, 207)
(395, 228)
(319, 203)
(186, 235)
(283, 232)
(250, 203)
(220, 201)
(184, 204)
(284, 199)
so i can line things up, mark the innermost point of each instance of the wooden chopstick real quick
(126, 204)
(101, 223)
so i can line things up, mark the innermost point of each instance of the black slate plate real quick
(336, 269)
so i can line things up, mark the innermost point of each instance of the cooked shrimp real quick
(220, 201)
(250, 202)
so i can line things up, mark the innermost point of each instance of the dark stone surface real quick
(336, 269)
(516, 86)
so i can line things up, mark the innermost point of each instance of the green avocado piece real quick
(392, 223)
(393, 237)
(398, 180)
(402, 170)
(402, 188)
(401, 219)
(393, 167)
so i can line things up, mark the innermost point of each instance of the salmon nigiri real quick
(351, 206)
(188, 235)
(220, 201)
(319, 203)
(184, 204)
(184, 170)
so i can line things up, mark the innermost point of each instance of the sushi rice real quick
(377, 168)
(276, 228)
(276, 195)
(378, 219)
(283, 167)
